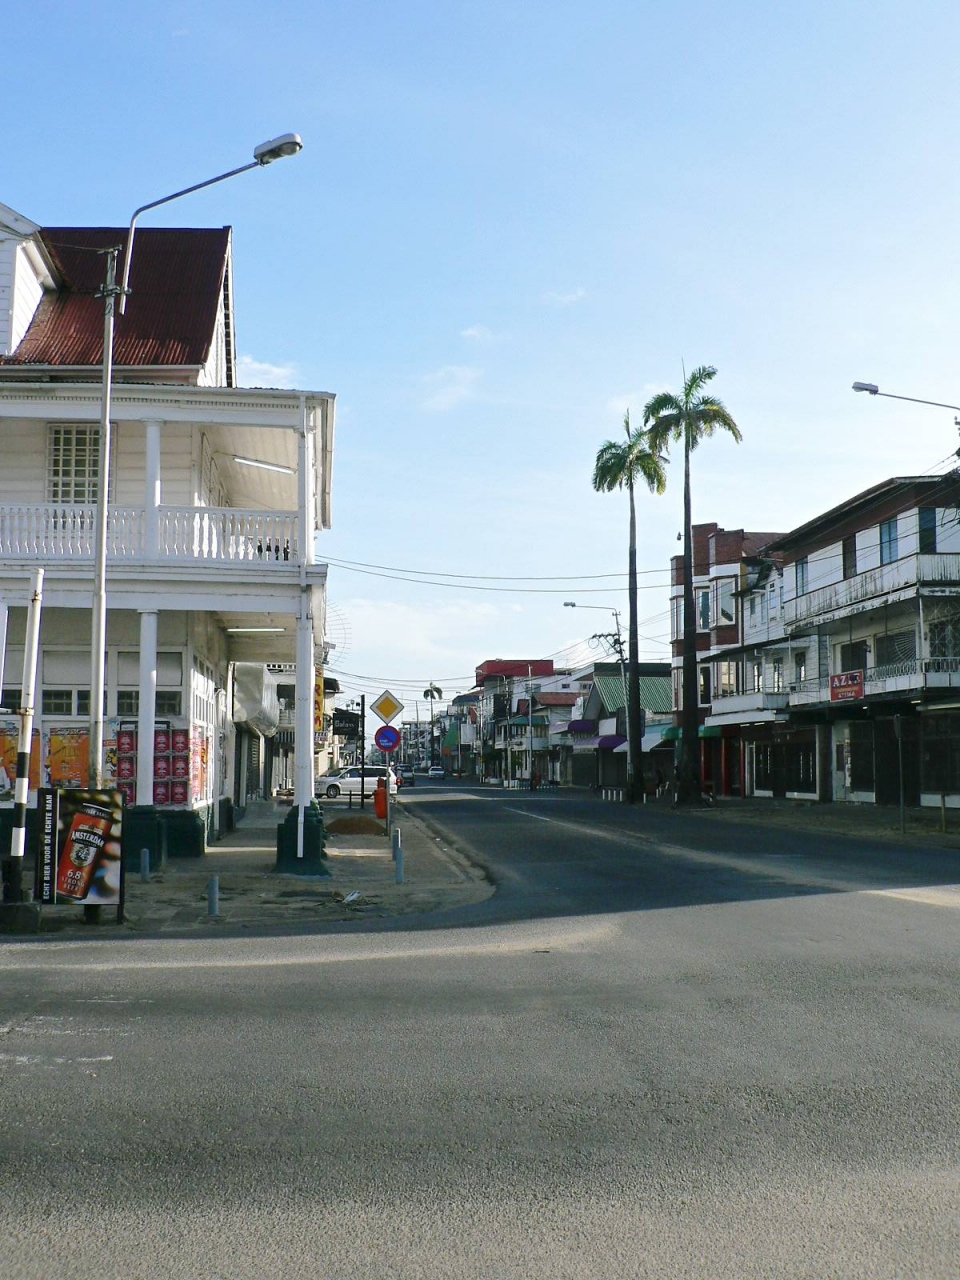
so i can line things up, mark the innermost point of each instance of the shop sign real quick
(846, 687)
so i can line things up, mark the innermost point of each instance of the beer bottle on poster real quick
(84, 844)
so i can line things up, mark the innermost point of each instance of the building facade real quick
(216, 494)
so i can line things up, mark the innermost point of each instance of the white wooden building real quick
(216, 496)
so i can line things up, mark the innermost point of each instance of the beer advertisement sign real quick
(80, 857)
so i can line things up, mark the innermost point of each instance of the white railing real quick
(47, 531)
(227, 534)
(52, 532)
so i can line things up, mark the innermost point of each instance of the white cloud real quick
(258, 373)
(449, 387)
(564, 299)
(617, 406)
(478, 333)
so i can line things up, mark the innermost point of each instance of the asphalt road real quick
(666, 1047)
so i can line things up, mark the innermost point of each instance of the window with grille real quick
(73, 464)
(895, 647)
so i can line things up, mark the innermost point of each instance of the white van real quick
(347, 781)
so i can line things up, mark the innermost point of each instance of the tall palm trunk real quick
(634, 742)
(688, 765)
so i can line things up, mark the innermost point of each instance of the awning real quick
(585, 744)
(582, 726)
(711, 731)
(671, 733)
(610, 741)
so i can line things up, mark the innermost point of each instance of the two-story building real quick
(215, 496)
(848, 659)
(725, 562)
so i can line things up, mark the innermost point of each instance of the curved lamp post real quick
(872, 389)
(432, 692)
(288, 144)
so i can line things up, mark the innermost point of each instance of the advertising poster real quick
(80, 852)
(9, 738)
(68, 758)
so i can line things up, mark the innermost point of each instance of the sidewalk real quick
(859, 821)
(253, 896)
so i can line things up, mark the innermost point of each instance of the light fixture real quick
(259, 631)
(870, 387)
(288, 144)
(265, 466)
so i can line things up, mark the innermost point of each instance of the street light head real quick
(569, 604)
(288, 144)
(870, 387)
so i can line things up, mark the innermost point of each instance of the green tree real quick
(622, 464)
(689, 417)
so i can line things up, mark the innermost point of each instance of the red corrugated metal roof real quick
(176, 282)
(555, 699)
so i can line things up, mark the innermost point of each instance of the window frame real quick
(889, 541)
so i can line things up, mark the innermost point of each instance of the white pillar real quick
(153, 494)
(3, 642)
(305, 684)
(306, 483)
(146, 720)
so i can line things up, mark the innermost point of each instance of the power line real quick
(485, 577)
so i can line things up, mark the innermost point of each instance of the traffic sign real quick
(387, 707)
(387, 738)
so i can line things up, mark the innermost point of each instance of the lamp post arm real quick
(937, 404)
(154, 204)
(872, 390)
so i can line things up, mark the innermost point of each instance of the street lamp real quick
(631, 763)
(872, 389)
(287, 144)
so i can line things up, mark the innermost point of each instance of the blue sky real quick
(509, 223)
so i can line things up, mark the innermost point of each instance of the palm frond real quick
(610, 467)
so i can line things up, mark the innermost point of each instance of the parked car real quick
(435, 771)
(406, 775)
(347, 782)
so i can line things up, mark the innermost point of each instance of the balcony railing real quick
(226, 535)
(899, 576)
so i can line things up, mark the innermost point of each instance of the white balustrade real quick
(221, 534)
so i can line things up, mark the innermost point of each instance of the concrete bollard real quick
(398, 854)
(395, 845)
(145, 866)
(213, 896)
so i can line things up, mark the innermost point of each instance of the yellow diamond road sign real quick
(386, 706)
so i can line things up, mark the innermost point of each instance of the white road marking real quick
(539, 817)
(936, 895)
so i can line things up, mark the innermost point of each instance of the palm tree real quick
(621, 464)
(689, 417)
(432, 692)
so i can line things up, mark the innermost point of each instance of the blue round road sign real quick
(387, 738)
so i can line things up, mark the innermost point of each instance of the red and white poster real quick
(847, 686)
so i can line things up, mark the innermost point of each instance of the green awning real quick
(711, 731)
(671, 733)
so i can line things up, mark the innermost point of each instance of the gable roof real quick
(655, 694)
(177, 280)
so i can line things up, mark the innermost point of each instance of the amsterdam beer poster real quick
(80, 833)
